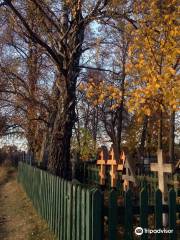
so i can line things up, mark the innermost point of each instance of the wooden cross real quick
(162, 168)
(122, 161)
(129, 175)
(113, 163)
(102, 160)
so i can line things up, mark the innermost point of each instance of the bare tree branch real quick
(2, 4)
(34, 37)
(99, 69)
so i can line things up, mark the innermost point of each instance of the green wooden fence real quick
(77, 213)
(71, 211)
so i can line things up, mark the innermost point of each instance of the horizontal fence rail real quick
(74, 212)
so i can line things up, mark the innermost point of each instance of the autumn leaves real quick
(151, 68)
(154, 57)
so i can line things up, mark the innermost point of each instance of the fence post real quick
(78, 214)
(46, 196)
(144, 212)
(50, 201)
(172, 214)
(43, 194)
(54, 199)
(83, 214)
(58, 208)
(74, 211)
(158, 213)
(69, 211)
(128, 231)
(64, 220)
(112, 215)
(97, 208)
(89, 214)
(62, 209)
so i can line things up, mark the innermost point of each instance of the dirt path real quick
(18, 219)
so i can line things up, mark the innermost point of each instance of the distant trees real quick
(25, 93)
(9, 153)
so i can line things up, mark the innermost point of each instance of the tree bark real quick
(59, 146)
(120, 117)
(65, 101)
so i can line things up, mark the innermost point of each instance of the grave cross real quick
(122, 161)
(113, 163)
(102, 159)
(162, 168)
(128, 175)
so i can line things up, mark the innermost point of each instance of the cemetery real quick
(109, 199)
(89, 120)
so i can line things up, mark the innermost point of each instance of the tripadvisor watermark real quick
(139, 231)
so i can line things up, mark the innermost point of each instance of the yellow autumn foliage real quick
(154, 56)
(97, 92)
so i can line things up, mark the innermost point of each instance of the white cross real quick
(129, 176)
(162, 168)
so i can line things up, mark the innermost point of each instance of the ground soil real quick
(18, 218)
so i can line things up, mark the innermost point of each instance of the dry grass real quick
(18, 219)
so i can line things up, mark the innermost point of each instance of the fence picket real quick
(78, 214)
(88, 215)
(54, 198)
(64, 219)
(57, 212)
(83, 214)
(158, 213)
(58, 216)
(74, 216)
(62, 210)
(144, 212)
(46, 197)
(128, 228)
(69, 211)
(172, 214)
(97, 208)
(43, 194)
(112, 215)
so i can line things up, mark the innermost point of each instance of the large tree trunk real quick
(59, 146)
(120, 121)
(65, 100)
(45, 147)
(32, 61)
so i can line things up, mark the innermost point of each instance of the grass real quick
(18, 218)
